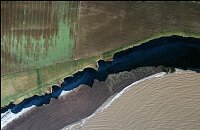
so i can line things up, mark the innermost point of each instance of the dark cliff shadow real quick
(174, 51)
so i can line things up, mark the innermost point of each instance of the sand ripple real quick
(170, 102)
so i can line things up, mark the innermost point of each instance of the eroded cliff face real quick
(168, 102)
(79, 103)
(36, 34)
(110, 78)
(101, 27)
(174, 51)
(42, 39)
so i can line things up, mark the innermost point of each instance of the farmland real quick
(35, 34)
(44, 42)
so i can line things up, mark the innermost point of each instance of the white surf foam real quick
(8, 116)
(65, 93)
(111, 100)
(158, 75)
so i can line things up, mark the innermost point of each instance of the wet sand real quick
(170, 102)
(80, 103)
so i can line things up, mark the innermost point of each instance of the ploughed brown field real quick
(103, 26)
(168, 103)
(39, 36)
(33, 41)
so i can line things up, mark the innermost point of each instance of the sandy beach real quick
(170, 102)
(76, 105)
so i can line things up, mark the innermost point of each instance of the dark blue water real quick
(174, 51)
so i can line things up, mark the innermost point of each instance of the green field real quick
(38, 37)
(44, 42)
(40, 80)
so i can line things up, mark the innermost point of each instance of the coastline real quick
(121, 58)
(105, 104)
(168, 102)
(84, 91)
(107, 56)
